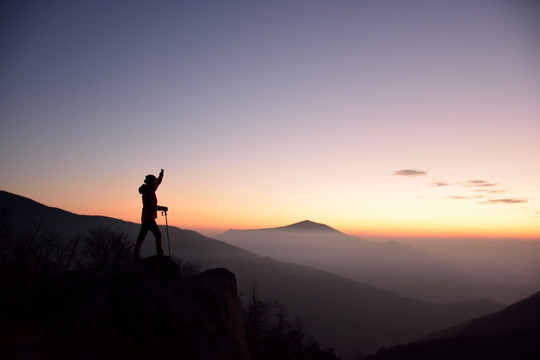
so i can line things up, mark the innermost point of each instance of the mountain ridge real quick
(339, 312)
(510, 333)
(523, 315)
(305, 225)
(308, 225)
(420, 275)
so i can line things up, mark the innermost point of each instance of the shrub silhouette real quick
(29, 258)
(188, 268)
(105, 247)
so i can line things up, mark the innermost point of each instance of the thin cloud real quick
(440, 183)
(478, 183)
(488, 191)
(458, 197)
(410, 172)
(506, 201)
(482, 191)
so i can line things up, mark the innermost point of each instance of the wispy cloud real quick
(410, 172)
(459, 197)
(480, 190)
(505, 201)
(478, 183)
(440, 183)
(488, 201)
(491, 191)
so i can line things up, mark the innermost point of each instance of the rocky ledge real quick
(144, 310)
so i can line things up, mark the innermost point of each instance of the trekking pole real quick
(167, 227)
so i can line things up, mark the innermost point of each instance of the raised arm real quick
(159, 179)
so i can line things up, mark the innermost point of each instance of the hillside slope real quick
(340, 312)
(393, 266)
(511, 333)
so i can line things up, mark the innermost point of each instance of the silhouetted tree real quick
(188, 268)
(38, 253)
(277, 338)
(257, 318)
(67, 257)
(314, 351)
(7, 235)
(105, 247)
(272, 336)
(30, 258)
(27, 259)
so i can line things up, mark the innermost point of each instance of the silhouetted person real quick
(149, 214)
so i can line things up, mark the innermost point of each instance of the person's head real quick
(150, 179)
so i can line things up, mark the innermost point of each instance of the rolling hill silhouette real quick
(340, 312)
(521, 316)
(392, 266)
(511, 333)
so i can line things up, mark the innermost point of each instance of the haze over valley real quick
(435, 271)
(352, 309)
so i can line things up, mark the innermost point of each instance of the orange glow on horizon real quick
(449, 233)
(213, 220)
(390, 231)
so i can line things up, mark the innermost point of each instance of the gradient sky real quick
(374, 117)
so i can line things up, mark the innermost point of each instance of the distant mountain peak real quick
(308, 225)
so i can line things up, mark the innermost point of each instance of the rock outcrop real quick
(145, 310)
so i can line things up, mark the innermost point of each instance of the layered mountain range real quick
(341, 312)
(393, 266)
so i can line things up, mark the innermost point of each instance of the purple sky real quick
(267, 113)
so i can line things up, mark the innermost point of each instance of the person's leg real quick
(140, 239)
(157, 233)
